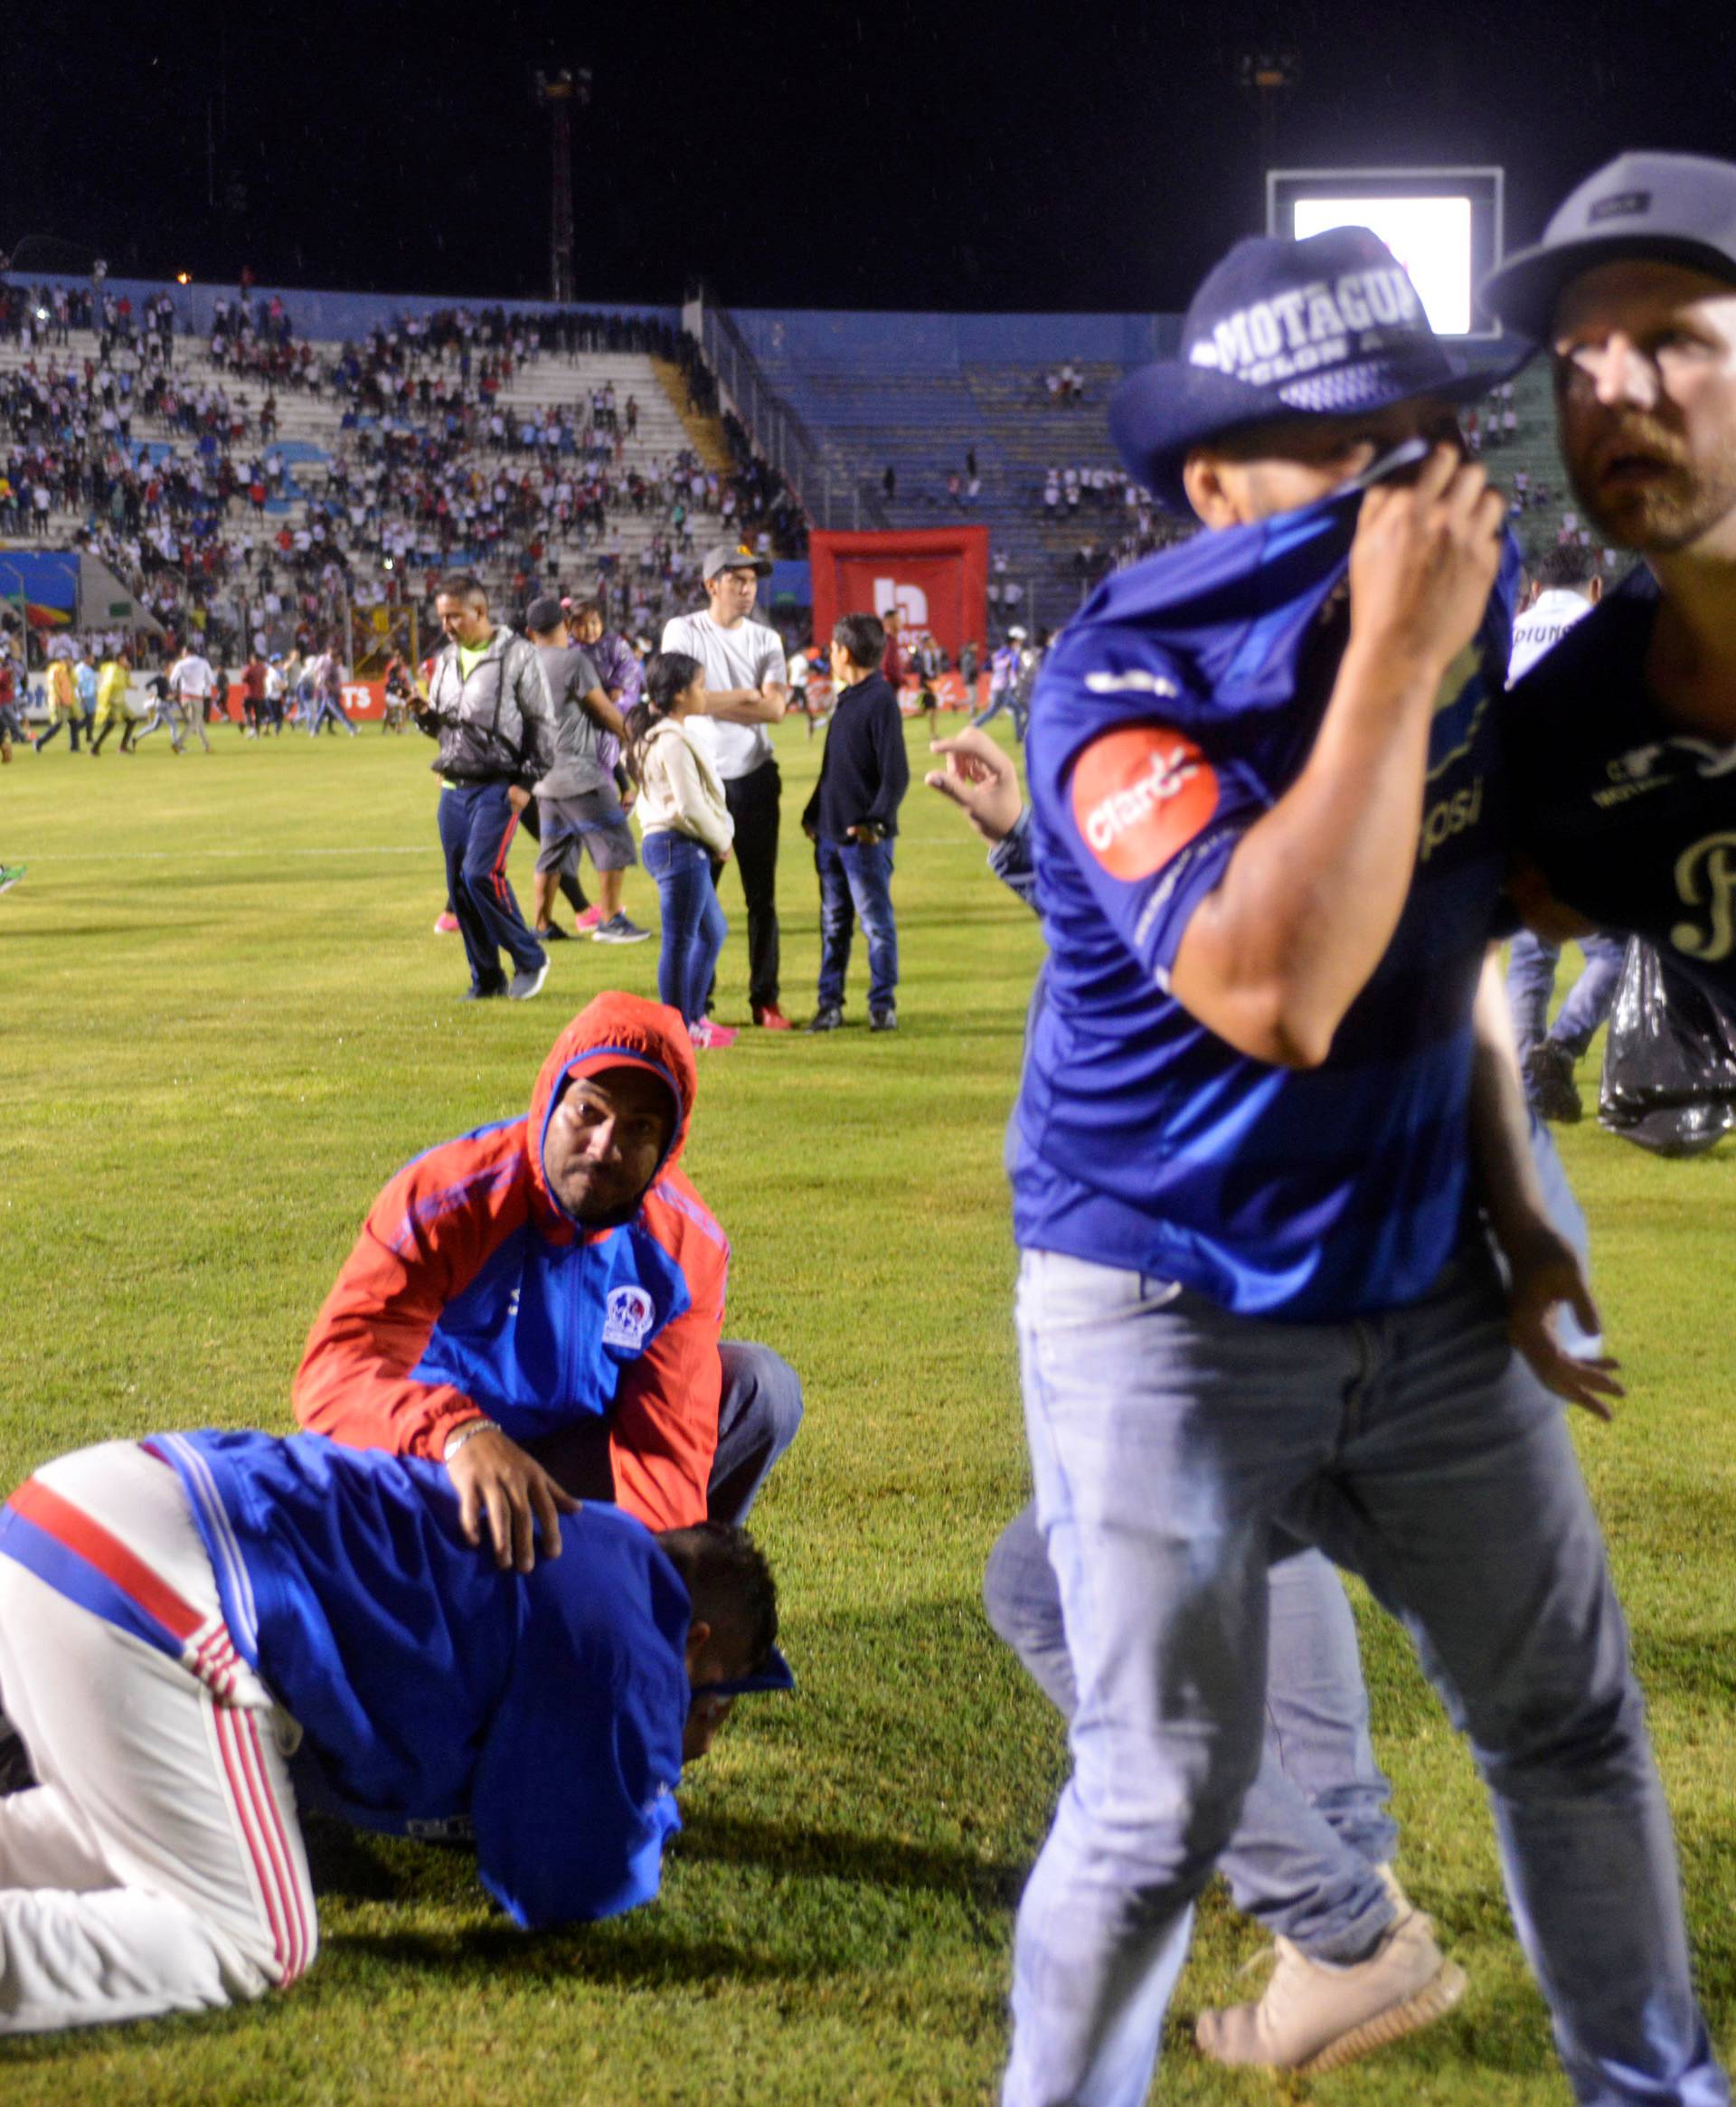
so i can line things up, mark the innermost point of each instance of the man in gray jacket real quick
(577, 802)
(488, 705)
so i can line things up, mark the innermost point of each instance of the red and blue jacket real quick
(472, 1293)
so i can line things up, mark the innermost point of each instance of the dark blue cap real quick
(1327, 326)
(1678, 208)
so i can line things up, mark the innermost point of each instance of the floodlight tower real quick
(1272, 76)
(561, 94)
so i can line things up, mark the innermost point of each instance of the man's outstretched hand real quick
(498, 1483)
(980, 778)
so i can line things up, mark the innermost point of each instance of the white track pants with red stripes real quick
(158, 1866)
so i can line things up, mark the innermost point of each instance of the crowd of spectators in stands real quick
(1093, 488)
(173, 470)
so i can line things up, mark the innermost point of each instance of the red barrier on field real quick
(937, 577)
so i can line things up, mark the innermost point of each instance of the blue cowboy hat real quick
(1329, 327)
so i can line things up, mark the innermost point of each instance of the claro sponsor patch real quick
(1141, 795)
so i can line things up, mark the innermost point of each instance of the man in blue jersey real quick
(1624, 738)
(1268, 834)
(1310, 1856)
(201, 1633)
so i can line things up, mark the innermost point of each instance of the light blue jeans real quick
(1168, 1439)
(1314, 1826)
(1531, 982)
(1004, 698)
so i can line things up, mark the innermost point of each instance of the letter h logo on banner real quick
(909, 601)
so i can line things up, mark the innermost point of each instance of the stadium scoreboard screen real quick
(1443, 224)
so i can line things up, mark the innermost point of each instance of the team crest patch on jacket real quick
(629, 1313)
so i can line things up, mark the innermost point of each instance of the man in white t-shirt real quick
(193, 680)
(192, 683)
(1569, 586)
(747, 688)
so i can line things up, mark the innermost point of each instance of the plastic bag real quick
(1669, 1066)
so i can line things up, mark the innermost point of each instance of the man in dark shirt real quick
(852, 819)
(1623, 741)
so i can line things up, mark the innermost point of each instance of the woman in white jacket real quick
(686, 827)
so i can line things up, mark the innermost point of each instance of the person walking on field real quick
(326, 673)
(113, 682)
(687, 832)
(577, 802)
(852, 819)
(192, 684)
(63, 692)
(746, 689)
(1269, 835)
(488, 706)
(252, 695)
(84, 678)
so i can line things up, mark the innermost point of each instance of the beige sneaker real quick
(1316, 2016)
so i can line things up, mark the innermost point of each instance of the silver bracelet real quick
(456, 1439)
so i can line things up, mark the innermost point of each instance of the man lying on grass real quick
(201, 1633)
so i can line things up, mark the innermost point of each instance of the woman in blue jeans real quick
(686, 826)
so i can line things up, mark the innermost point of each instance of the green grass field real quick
(224, 1020)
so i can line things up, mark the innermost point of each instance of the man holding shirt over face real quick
(1269, 838)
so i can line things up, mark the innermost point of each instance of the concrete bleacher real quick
(309, 435)
(918, 392)
(923, 423)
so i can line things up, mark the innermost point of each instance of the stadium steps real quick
(703, 434)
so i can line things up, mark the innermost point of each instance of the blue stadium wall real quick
(816, 339)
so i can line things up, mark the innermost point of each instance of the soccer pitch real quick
(224, 1021)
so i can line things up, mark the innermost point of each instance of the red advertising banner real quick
(938, 577)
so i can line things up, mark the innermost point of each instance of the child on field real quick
(687, 829)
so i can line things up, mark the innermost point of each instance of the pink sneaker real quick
(706, 1034)
(446, 926)
(589, 920)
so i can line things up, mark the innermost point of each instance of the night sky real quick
(823, 155)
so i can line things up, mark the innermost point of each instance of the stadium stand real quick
(242, 472)
(922, 394)
(250, 475)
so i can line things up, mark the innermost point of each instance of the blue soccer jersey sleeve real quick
(1137, 787)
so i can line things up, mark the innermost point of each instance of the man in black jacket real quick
(852, 819)
(488, 706)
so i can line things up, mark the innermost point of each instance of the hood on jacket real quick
(615, 1031)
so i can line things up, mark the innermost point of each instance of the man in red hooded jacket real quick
(539, 1304)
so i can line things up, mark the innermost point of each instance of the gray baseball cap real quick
(1680, 208)
(733, 556)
